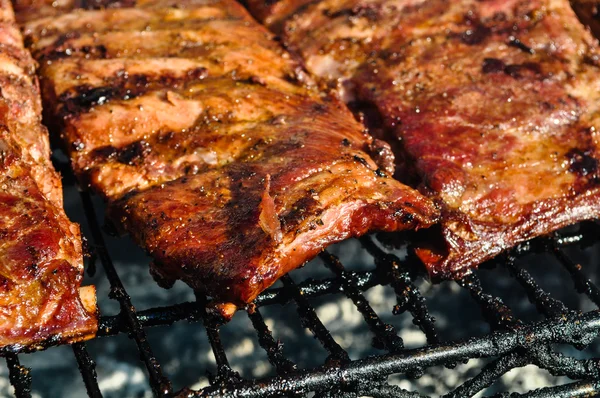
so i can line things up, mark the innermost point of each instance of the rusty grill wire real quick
(511, 343)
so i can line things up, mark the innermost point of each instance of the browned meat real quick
(211, 145)
(41, 263)
(274, 13)
(588, 12)
(492, 107)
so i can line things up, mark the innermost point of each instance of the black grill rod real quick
(274, 349)
(159, 383)
(312, 288)
(502, 342)
(19, 376)
(386, 334)
(581, 389)
(582, 284)
(87, 368)
(543, 357)
(389, 391)
(560, 365)
(408, 295)
(544, 303)
(158, 316)
(309, 319)
(586, 236)
(495, 312)
(114, 324)
(386, 391)
(336, 393)
(489, 375)
(225, 374)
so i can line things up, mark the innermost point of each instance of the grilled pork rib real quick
(211, 145)
(41, 262)
(492, 107)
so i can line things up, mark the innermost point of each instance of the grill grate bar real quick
(19, 376)
(489, 375)
(310, 320)
(274, 349)
(114, 324)
(408, 295)
(386, 335)
(586, 236)
(561, 365)
(390, 391)
(224, 372)
(570, 330)
(312, 288)
(544, 303)
(542, 355)
(160, 384)
(582, 389)
(87, 367)
(582, 284)
(495, 312)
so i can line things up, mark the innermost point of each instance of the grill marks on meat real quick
(211, 145)
(493, 106)
(156, 135)
(41, 263)
(225, 219)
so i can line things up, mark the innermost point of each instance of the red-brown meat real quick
(492, 106)
(41, 263)
(210, 144)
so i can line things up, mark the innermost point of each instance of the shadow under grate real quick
(511, 342)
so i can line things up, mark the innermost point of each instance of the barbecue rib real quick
(492, 107)
(41, 263)
(211, 145)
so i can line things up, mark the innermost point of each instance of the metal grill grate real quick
(512, 343)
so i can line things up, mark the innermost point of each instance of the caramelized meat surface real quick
(41, 263)
(212, 146)
(588, 12)
(491, 106)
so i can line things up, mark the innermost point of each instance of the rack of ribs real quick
(211, 145)
(491, 107)
(41, 263)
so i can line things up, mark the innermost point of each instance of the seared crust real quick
(211, 145)
(491, 106)
(41, 263)
(508, 144)
(232, 232)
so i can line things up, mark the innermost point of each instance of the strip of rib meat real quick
(41, 264)
(212, 146)
(492, 107)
